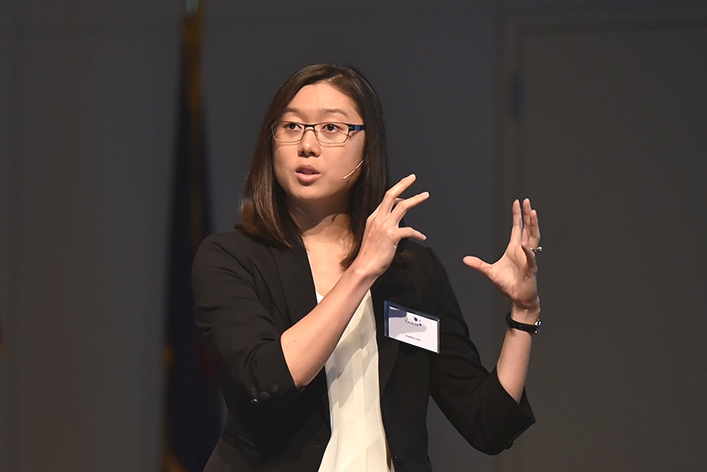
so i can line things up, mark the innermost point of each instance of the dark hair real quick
(264, 214)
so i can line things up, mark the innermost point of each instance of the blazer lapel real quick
(297, 287)
(390, 287)
(297, 282)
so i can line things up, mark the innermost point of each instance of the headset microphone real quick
(351, 173)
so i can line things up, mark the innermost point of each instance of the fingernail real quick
(411, 176)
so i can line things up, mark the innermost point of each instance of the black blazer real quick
(248, 293)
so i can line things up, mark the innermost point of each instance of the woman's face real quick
(312, 174)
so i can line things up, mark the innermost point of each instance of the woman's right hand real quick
(383, 231)
(308, 343)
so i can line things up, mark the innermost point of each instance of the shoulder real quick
(421, 260)
(234, 242)
(229, 248)
(426, 273)
(235, 250)
(418, 270)
(234, 237)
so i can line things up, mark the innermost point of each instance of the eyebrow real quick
(327, 111)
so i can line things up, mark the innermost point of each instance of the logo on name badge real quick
(411, 327)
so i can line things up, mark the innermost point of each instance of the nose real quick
(309, 145)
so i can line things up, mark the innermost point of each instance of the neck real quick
(322, 225)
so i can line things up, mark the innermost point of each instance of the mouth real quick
(307, 170)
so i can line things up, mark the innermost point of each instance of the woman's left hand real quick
(515, 273)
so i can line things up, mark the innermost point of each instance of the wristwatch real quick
(528, 328)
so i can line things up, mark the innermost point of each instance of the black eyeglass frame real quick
(314, 130)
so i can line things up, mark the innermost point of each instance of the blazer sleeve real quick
(471, 398)
(234, 312)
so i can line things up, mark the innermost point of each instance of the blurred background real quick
(595, 109)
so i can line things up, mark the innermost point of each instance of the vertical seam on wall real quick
(14, 224)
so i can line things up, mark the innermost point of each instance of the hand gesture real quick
(383, 231)
(515, 273)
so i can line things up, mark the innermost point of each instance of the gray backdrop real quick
(87, 121)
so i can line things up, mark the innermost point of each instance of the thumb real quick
(476, 263)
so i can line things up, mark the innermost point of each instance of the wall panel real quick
(95, 145)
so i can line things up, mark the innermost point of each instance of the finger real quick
(534, 229)
(531, 228)
(395, 204)
(411, 233)
(375, 212)
(402, 207)
(394, 192)
(476, 263)
(529, 256)
(536, 224)
(525, 235)
(517, 222)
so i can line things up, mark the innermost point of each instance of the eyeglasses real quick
(288, 132)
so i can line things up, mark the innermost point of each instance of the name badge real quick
(411, 327)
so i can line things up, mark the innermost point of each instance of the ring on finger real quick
(537, 249)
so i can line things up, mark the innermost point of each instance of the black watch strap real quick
(528, 328)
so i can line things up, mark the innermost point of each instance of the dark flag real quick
(193, 411)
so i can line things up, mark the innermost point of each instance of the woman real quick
(294, 302)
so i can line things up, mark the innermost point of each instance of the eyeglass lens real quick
(327, 133)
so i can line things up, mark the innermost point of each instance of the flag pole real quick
(193, 412)
(192, 37)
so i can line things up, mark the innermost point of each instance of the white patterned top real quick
(357, 440)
